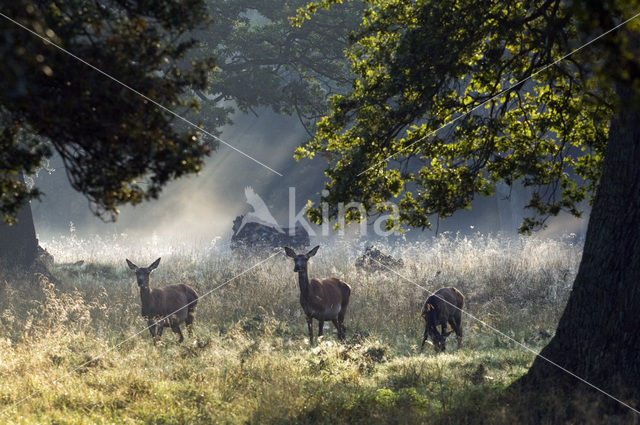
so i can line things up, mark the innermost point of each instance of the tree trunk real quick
(18, 243)
(598, 336)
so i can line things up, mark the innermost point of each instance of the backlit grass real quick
(61, 345)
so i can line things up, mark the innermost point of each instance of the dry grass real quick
(250, 361)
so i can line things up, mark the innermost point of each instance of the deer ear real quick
(154, 264)
(131, 265)
(313, 252)
(290, 252)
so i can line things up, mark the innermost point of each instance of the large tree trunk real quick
(598, 336)
(18, 243)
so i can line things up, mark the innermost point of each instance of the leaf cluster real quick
(117, 147)
(450, 98)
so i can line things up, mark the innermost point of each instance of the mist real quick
(202, 207)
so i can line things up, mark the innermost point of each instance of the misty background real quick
(203, 207)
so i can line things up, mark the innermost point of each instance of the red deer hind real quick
(169, 305)
(442, 308)
(322, 300)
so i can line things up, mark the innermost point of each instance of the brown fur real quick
(442, 308)
(325, 299)
(166, 306)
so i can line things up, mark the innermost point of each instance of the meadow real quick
(73, 349)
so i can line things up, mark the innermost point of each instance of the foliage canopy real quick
(451, 98)
(108, 137)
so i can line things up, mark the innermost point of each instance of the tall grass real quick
(250, 360)
(504, 280)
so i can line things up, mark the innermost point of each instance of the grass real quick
(250, 361)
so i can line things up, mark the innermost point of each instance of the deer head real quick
(142, 273)
(300, 260)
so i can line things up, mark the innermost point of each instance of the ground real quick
(71, 352)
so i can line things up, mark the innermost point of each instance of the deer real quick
(166, 306)
(322, 300)
(444, 306)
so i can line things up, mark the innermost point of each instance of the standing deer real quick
(325, 299)
(166, 306)
(444, 306)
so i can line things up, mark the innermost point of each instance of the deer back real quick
(442, 304)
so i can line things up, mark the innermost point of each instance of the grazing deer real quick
(325, 299)
(444, 306)
(166, 306)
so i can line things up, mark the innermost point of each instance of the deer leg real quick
(424, 338)
(152, 329)
(320, 327)
(443, 337)
(189, 321)
(456, 324)
(175, 327)
(342, 330)
(160, 328)
(336, 323)
(440, 345)
(309, 325)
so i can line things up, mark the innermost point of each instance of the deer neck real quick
(303, 281)
(145, 298)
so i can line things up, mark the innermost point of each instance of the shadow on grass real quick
(477, 404)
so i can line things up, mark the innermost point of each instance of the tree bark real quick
(18, 243)
(598, 336)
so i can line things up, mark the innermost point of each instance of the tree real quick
(263, 60)
(18, 244)
(523, 113)
(117, 147)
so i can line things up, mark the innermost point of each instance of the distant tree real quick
(117, 148)
(264, 60)
(572, 128)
